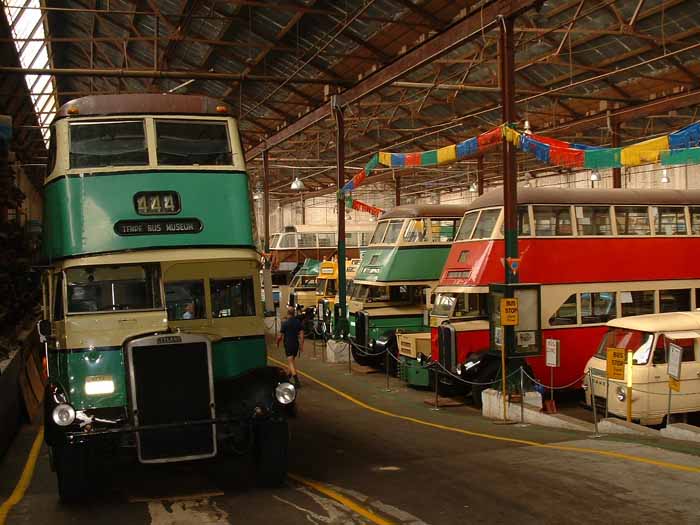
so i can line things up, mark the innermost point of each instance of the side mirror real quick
(44, 329)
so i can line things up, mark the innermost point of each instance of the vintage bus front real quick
(155, 331)
(401, 265)
(582, 247)
(302, 289)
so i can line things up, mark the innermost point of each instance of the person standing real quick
(293, 333)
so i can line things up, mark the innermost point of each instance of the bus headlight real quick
(285, 393)
(620, 393)
(99, 385)
(63, 415)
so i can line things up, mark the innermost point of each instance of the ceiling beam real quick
(463, 31)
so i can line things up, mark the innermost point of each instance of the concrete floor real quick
(398, 469)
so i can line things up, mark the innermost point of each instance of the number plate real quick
(157, 203)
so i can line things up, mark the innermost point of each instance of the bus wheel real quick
(271, 451)
(362, 360)
(72, 472)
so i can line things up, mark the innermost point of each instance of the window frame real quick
(154, 133)
(572, 221)
(650, 221)
(103, 121)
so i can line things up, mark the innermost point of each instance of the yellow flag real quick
(645, 152)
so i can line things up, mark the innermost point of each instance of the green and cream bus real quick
(152, 318)
(392, 287)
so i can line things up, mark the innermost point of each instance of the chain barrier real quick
(554, 387)
(476, 383)
(665, 394)
(360, 349)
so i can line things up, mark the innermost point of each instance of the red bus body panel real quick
(562, 261)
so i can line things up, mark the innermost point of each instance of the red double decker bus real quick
(596, 254)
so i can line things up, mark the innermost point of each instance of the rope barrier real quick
(554, 387)
(476, 383)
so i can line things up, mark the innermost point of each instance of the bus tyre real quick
(72, 472)
(271, 452)
(360, 359)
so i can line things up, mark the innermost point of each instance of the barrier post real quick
(522, 398)
(349, 359)
(668, 415)
(607, 395)
(595, 411)
(435, 379)
(630, 370)
(386, 369)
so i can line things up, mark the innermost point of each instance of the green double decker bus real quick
(392, 287)
(153, 323)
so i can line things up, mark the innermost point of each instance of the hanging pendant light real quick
(665, 179)
(595, 176)
(298, 184)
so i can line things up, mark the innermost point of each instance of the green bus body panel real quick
(378, 326)
(405, 263)
(230, 358)
(80, 212)
(233, 357)
(98, 362)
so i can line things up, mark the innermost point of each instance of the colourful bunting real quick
(363, 206)
(679, 147)
(646, 152)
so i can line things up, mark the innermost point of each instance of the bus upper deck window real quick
(393, 231)
(185, 300)
(485, 224)
(416, 231)
(695, 220)
(443, 230)
(552, 221)
(467, 226)
(306, 240)
(188, 142)
(593, 220)
(632, 220)
(379, 232)
(669, 220)
(326, 240)
(103, 144)
(287, 240)
(523, 221)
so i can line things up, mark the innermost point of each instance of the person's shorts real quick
(291, 352)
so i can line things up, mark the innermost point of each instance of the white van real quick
(649, 337)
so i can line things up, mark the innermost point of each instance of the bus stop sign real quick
(509, 312)
(616, 363)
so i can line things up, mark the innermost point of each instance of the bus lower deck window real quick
(593, 220)
(674, 300)
(597, 307)
(232, 297)
(566, 314)
(637, 303)
(185, 300)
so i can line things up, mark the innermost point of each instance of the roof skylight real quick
(27, 23)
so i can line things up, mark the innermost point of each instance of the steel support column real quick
(341, 324)
(510, 169)
(397, 190)
(615, 143)
(480, 175)
(510, 187)
(267, 277)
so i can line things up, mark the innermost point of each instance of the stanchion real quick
(522, 399)
(436, 406)
(349, 359)
(668, 414)
(607, 395)
(386, 369)
(595, 411)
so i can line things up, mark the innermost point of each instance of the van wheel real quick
(271, 453)
(72, 472)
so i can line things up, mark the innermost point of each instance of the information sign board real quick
(509, 311)
(616, 363)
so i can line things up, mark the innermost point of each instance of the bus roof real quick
(147, 103)
(590, 196)
(424, 210)
(668, 322)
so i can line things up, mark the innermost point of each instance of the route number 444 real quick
(157, 203)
